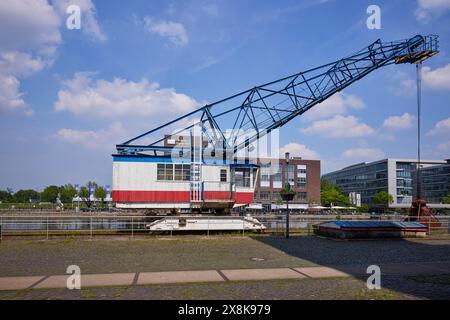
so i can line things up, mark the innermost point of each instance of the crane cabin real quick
(183, 179)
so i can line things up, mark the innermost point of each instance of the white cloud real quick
(12, 66)
(363, 154)
(10, 96)
(404, 121)
(338, 103)
(427, 9)
(89, 23)
(120, 98)
(29, 37)
(20, 64)
(441, 128)
(101, 139)
(28, 24)
(339, 127)
(438, 78)
(400, 83)
(173, 31)
(444, 146)
(299, 150)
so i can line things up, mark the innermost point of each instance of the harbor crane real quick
(222, 129)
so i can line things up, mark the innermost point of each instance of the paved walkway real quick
(148, 278)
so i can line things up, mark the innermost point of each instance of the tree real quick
(383, 198)
(6, 196)
(23, 196)
(331, 194)
(446, 199)
(49, 194)
(85, 194)
(363, 208)
(100, 193)
(67, 193)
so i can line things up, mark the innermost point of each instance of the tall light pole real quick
(287, 201)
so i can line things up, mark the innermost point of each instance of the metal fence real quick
(89, 225)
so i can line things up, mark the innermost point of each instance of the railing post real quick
(90, 226)
(243, 227)
(208, 228)
(429, 225)
(47, 227)
(132, 228)
(1, 228)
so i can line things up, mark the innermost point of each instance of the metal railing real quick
(90, 225)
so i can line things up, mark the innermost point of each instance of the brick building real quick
(303, 176)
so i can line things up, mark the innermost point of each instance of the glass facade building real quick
(395, 176)
(435, 183)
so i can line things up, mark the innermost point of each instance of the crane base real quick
(421, 213)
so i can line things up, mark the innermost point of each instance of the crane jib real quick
(261, 109)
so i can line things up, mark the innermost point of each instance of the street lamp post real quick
(287, 200)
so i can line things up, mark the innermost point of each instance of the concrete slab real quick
(179, 277)
(322, 272)
(107, 279)
(53, 282)
(262, 274)
(18, 283)
(89, 280)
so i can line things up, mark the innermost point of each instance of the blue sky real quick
(68, 96)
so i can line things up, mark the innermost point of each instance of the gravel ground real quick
(31, 257)
(307, 289)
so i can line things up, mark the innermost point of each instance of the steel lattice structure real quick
(264, 108)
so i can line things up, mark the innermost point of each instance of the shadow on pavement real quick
(407, 266)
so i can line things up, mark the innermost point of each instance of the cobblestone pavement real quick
(331, 288)
(31, 257)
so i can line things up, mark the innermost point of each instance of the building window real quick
(223, 175)
(264, 196)
(290, 172)
(277, 178)
(161, 172)
(177, 172)
(265, 172)
(242, 177)
(301, 182)
(301, 196)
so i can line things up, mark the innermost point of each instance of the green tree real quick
(23, 196)
(85, 194)
(67, 193)
(446, 199)
(331, 194)
(6, 196)
(383, 198)
(49, 194)
(100, 193)
(363, 208)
